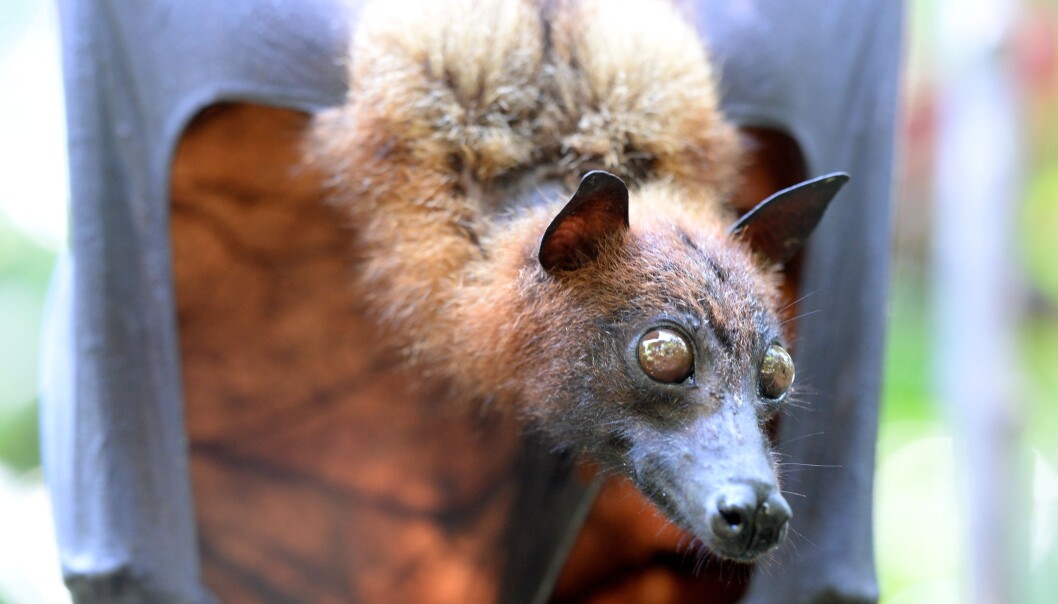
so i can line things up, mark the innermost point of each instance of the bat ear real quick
(598, 209)
(780, 224)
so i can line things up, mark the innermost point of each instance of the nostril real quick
(775, 509)
(733, 519)
(765, 510)
(773, 522)
(733, 515)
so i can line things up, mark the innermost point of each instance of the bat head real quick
(673, 357)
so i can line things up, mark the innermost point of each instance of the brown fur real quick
(446, 111)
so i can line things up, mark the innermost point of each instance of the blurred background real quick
(967, 482)
(33, 197)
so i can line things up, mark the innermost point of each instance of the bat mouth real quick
(759, 542)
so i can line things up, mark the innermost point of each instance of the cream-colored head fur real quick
(488, 87)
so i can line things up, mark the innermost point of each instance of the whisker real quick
(802, 437)
(799, 535)
(798, 404)
(801, 316)
(793, 544)
(804, 387)
(768, 562)
(700, 562)
(799, 300)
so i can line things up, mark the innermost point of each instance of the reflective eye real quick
(665, 355)
(776, 372)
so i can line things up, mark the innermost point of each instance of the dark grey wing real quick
(549, 510)
(115, 437)
(114, 441)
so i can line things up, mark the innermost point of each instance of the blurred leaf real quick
(1040, 228)
(915, 531)
(20, 437)
(25, 268)
(906, 386)
(1039, 360)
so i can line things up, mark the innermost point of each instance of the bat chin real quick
(748, 555)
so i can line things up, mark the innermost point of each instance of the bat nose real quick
(748, 519)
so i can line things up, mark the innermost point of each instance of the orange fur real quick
(456, 106)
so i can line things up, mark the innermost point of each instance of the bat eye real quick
(776, 372)
(665, 355)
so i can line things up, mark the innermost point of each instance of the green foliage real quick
(24, 271)
(906, 385)
(20, 437)
(1039, 346)
(1040, 231)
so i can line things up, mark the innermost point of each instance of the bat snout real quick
(747, 519)
(716, 478)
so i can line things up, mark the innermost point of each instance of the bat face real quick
(699, 450)
(674, 386)
(676, 361)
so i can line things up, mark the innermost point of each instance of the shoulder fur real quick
(486, 88)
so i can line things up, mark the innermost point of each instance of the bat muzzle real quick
(715, 477)
(747, 520)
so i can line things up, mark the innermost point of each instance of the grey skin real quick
(715, 478)
(709, 466)
(697, 448)
(711, 470)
